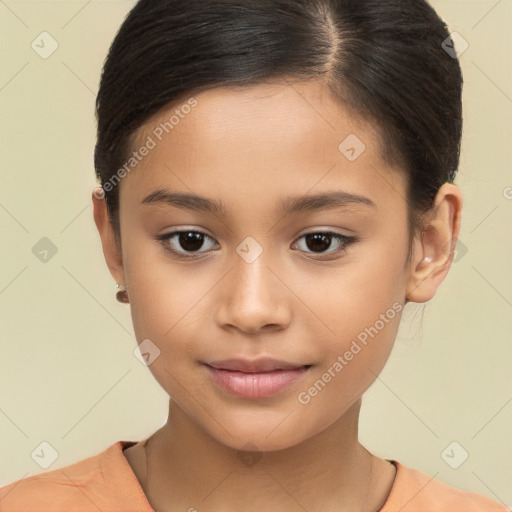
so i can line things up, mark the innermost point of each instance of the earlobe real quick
(434, 249)
(111, 251)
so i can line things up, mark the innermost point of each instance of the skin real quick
(249, 147)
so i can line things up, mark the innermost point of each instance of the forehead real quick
(263, 139)
(282, 110)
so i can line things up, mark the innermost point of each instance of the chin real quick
(262, 434)
(258, 442)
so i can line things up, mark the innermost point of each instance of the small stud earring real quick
(121, 294)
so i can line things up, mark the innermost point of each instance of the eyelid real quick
(167, 236)
(346, 241)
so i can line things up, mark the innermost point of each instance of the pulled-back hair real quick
(382, 58)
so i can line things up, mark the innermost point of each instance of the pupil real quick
(191, 241)
(318, 238)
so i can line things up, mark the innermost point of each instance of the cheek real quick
(350, 366)
(359, 353)
(362, 309)
(168, 307)
(162, 293)
(358, 296)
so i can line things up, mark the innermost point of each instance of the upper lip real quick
(255, 366)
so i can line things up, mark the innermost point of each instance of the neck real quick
(188, 468)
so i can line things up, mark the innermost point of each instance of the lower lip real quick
(256, 385)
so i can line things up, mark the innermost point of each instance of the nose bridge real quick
(252, 279)
(255, 297)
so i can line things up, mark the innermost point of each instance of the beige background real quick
(68, 375)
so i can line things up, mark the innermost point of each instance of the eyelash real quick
(164, 240)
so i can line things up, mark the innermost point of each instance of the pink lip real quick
(255, 379)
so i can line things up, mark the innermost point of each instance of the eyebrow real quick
(286, 206)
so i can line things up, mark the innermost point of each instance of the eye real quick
(319, 241)
(187, 243)
(189, 240)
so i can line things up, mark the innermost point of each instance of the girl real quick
(277, 183)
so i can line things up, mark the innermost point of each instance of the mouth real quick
(255, 379)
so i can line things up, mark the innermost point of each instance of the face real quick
(271, 321)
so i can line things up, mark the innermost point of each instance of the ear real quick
(111, 246)
(434, 248)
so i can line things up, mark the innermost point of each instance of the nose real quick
(253, 296)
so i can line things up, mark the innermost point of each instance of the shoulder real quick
(100, 482)
(415, 491)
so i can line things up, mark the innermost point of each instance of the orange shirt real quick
(106, 482)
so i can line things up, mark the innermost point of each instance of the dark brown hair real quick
(382, 58)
